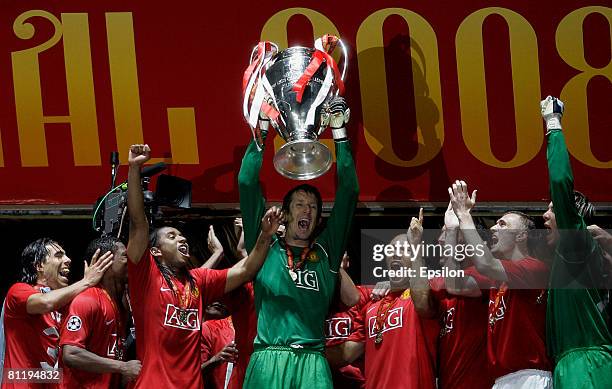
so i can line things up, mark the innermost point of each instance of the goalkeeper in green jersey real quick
(578, 335)
(294, 289)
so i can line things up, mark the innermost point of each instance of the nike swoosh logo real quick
(109, 322)
(165, 289)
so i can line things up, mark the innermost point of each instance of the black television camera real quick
(110, 211)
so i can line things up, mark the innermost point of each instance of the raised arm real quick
(215, 248)
(559, 168)
(486, 264)
(338, 226)
(463, 286)
(252, 201)
(576, 248)
(40, 303)
(245, 270)
(139, 227)
(423, 299)
(349, 295)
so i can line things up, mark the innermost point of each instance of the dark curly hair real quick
(104, 243)
(166, 271)
(33, 255)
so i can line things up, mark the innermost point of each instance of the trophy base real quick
(303, 159)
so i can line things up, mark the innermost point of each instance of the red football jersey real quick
(462, 343)
(168, 347)
(216, 334)
(406, 357)
(92, 324)
(31, 340)
(516, 331)
(241, 304)
(338, 327)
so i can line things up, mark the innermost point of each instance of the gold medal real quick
(379, 338)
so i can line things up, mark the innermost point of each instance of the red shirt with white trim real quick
(406, 357)
(168, 347)
(92, 324)
(462, 343)
(216, 334)
(241, 304)
(31, 340)
(516, 330)
(338, 327)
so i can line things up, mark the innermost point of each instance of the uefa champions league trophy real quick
(290, 89)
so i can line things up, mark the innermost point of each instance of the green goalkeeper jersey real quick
(576, 312)
(292, 313)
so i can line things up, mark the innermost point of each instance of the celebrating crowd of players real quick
(288, 315)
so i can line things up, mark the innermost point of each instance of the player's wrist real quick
(465, 218)
(266, 235)
(120, 367)
(86, 282)
(553, 122)
(339, 133)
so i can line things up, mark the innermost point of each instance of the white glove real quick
(552, 112)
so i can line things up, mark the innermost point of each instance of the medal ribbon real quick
(290, 262)
(253, 91)
(184, 299)
(498, 298)
(321, 54)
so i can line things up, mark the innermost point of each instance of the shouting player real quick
(31, 320)
(167, 299)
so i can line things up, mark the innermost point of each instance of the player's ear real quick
(521, 236)
(155, 252)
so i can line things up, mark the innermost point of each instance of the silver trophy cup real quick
(303, 157)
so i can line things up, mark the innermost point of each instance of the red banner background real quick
(177, 87)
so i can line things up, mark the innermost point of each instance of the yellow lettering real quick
(79, 81)
(126, 97)
(473, 92)
(570, 46)
(124, 81)
(427, 89)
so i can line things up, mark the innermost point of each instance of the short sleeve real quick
(79, 323)
(359, 325)
(17, 299)
(364, 295)
(527, 273)
(139, 274)
(211, 283)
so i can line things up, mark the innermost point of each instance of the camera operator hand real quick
(139, 154)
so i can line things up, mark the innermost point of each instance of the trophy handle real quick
(254, 51)
(345, 64)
